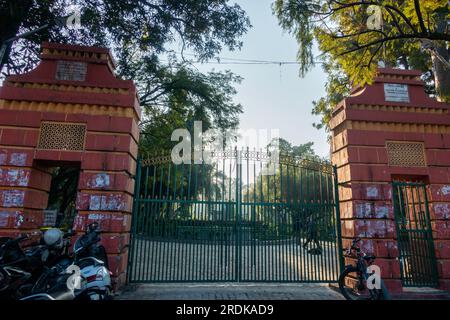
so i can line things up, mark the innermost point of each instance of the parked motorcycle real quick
(88, 260)
(48, 271)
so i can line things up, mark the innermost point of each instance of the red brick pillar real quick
(393, 111)
(70, 109)
(23, 189)
(106, 187)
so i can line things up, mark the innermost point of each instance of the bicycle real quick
(353, 281)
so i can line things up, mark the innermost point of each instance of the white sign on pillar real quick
(396, 92)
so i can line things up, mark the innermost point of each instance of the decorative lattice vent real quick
(62, 136)
(406, 154)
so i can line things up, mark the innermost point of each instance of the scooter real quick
(43, 271)
(92, 260)
(88, 261)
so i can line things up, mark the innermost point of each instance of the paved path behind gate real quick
(170, 291)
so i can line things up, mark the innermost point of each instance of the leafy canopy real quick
(352, 46)
(141, 34)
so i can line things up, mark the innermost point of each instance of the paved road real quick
(281, 261)
(217, 291)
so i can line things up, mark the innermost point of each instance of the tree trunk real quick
(441, 74)
(440, 69)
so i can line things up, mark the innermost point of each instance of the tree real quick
(410, 33)
(141, 34)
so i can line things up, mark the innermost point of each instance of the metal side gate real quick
(414, 234)
(232, 219)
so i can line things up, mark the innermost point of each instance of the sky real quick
(275, 97)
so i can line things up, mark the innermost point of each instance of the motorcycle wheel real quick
(99, 295)
(352, 289)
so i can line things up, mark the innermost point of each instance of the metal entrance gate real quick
(232, 220)
(414, 233)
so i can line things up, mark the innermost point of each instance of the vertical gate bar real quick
(281, 222)
(217, 225)
(257, 226)
(160, 206)
(423, 238)
(320, 223)
(230, 225)
(188, 227)
(302, 225)
(308, 196)
(296, 235)
(288, 225)
(212, 226)
(209, 224)
(195, 253)
(263, 249)
(407, 251)
(224, 219)
(137, 183)
(240, 216)
(314, 208)
(166, 206)
(152, 231)
(145, 226)
(202, 223)
(198, 225)
(181, 251)
(396, 200)
(309, 192)
(325, 210)
(411, 275)
(422, 241)
(277, 227)
(338, 220)
(330, 274)
(173, 224)
(418, 257)
(323, 229)
(431, 240)
(142, 241)
(236, 221)
(271, 228)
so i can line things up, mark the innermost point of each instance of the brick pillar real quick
(105, 195)
(23, 191)
(70, 110)
(394, 109)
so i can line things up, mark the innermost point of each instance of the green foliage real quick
(352, 50)
(185, 96)
(140, 32)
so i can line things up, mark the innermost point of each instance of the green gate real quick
(231, 219)
(414, 235)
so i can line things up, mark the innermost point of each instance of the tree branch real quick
(419, 16)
